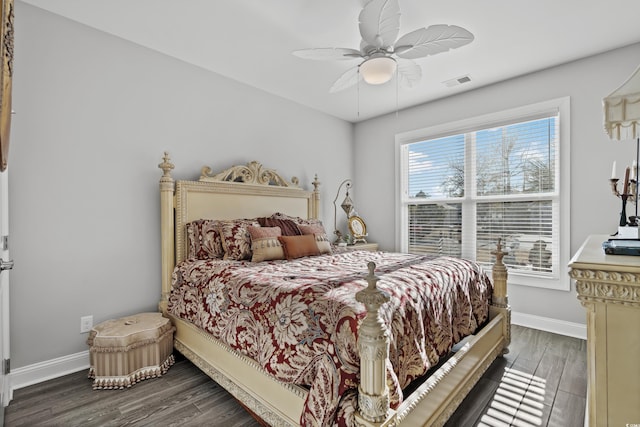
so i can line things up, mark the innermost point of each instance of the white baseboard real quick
(47, 370)
(43, 371)
(561, 327)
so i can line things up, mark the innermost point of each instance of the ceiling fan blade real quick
(432, 40)
(380, 22)
(348, 79)
(409, 72)
(328, 53)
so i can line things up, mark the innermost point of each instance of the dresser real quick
(608, 286)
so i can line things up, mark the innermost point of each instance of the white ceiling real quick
(251, 41)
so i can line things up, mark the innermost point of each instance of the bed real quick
(284, 379)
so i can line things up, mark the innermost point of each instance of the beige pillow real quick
(265, 245)
(322, 241)
(266, 249)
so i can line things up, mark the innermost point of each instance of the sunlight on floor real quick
(518, 401)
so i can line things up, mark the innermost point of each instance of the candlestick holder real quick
(628, 194)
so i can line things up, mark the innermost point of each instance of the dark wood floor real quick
(542, 381)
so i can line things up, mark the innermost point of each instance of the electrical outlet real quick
(86, 323)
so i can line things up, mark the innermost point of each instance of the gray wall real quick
(593, 208)
(94, 115)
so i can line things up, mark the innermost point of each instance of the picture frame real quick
(357, 228)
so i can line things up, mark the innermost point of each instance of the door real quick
(5, 265)
(6, 77)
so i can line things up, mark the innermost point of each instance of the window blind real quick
(465, 190)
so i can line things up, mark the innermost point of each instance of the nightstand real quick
(363, 247)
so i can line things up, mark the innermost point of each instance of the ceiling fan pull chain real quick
(358, 95)
(397, 96)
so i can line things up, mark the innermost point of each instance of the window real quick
(464, 185)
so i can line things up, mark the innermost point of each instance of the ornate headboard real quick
(247, 191)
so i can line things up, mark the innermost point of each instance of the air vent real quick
(457, 81)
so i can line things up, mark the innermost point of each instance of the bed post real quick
(500, 299)
(373, 345)
(167, 190)
(315, 203)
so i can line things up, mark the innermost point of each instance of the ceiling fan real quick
(381, 55)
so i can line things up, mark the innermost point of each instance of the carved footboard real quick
(373, 345)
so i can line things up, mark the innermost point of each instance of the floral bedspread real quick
(298, 319)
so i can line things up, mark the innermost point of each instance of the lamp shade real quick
(622, 110)
(378, 69)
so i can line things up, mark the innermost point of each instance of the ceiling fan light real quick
(378, 70)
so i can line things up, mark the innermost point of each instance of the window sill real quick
(562, 283)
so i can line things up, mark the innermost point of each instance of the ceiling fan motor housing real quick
(378, 69)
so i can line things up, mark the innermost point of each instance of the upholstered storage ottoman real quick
(134, 348)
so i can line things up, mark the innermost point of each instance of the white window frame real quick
(561, 281)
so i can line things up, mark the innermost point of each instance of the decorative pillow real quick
(323, 243)
(203, 239)
(287, 226)
(236, 239)
(318, 231)
(262, 232)
(265, 245)
(299, 246)
(280, 215)
(312, 229)
(296, 219)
